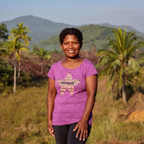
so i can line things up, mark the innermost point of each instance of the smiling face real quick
(71, 46)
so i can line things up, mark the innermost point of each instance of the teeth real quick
(70, 51)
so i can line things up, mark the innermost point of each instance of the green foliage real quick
(3, 33)
(18, 40)
(42, 53)
(3, 50)
(120, 61)
(20, 33)
(3, 39)
(5, 74)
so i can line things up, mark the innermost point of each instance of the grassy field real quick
(23, 118)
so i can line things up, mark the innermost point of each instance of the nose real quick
(71, 45)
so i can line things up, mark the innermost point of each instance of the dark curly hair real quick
(72, 31)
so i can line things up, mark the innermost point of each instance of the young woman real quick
(72, 87)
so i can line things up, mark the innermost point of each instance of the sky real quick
(78, 12)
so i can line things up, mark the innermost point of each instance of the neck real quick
(72, 59)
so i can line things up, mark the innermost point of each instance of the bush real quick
(6, 73)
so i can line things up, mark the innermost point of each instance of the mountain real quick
(41, 29)
(93, 35)
(44, 33)
(129, 28)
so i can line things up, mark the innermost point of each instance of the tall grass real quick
(23, 118)
(107, 124)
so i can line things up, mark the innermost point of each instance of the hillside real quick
(41, 29)
(129, 28)
(93, 35)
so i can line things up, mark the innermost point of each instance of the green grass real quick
(23, 118)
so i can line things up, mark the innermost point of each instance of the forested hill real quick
(40, 29)
(44, 33)
(94, 35)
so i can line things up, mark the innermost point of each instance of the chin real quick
(73, 57)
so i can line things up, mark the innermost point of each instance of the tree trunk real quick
(14, 84)
(124, 92)
(19, 64)
(19, 68)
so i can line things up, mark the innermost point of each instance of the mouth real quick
(71, 51)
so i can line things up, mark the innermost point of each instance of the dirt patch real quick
(136, 116)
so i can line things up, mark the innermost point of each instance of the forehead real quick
(70, 37)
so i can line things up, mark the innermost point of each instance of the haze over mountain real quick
(42, 29)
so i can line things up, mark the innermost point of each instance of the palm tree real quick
(20, 34)
(18, 41)
(43, 54)
(119, 61)
(13, 45)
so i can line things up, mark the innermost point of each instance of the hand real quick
(82, 129)
(50, 128)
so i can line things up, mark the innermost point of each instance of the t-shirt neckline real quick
(73, 68)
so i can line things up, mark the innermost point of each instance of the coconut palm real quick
(13, 45)
(20, 34)
(43, 54)
(18, 42)
(119, 61)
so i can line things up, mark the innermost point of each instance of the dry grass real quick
(23, 119)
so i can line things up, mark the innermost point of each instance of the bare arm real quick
(82, 125)
(50, 103)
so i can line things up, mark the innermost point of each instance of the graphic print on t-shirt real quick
(69, 83)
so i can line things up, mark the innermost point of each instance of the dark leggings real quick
(64, 134)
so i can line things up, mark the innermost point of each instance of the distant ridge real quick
(129, 28)
(41, 29)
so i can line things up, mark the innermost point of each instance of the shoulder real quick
(53, 69)
(89, 67)
(56, 64)
(88, 62)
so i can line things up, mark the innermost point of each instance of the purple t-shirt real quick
(71, 94)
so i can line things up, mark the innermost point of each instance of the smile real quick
(71, 51)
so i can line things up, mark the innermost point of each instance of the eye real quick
(75, 42)
(65, 43)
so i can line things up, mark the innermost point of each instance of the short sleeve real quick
(91, 70)
(51, 73)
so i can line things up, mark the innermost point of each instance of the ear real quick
(61, 46)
